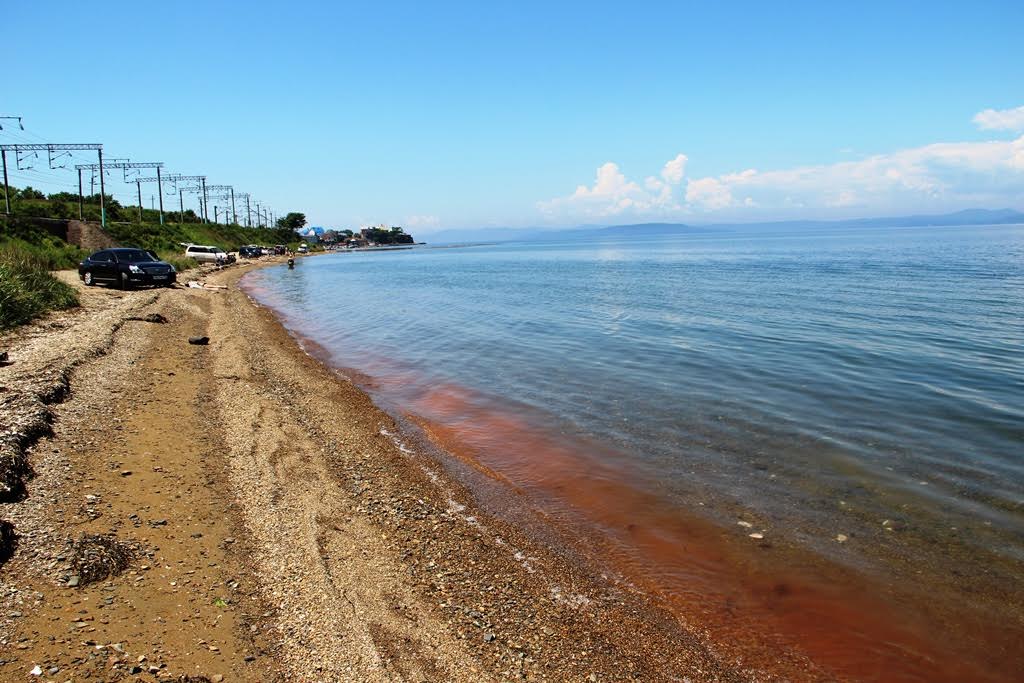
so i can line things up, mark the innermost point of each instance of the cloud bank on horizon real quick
(942, 175)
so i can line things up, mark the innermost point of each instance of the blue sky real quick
(437, 115)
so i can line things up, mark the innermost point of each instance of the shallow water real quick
(867, 383)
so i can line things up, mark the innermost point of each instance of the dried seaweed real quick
(94, 557)
(8, 540)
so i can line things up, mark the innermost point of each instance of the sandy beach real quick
(280, 526)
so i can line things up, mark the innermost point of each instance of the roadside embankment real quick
(263, 520)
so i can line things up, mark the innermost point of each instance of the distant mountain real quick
(965, 217)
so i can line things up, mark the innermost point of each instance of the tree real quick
(31, 193)
(293, 221)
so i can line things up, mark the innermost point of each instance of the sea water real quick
(834, 389)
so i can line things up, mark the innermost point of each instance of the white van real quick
(206, 254)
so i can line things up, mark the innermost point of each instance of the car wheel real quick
(88, 279)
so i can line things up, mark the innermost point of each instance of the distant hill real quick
(965, 217)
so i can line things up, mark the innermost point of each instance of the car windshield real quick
(134, 256)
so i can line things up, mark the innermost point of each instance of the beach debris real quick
(745, 525)
(74, 581)
(198, 284)
(3, 358)
(199, 341)
(149, 318)
(36, 671)
(842, 538)
(15, 469)
(8, 540)
(96, 556)
(757, 535)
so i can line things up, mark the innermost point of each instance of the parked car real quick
(207, 254)
(303, 248)
(126, 268)
(250, 251)
(280, 249)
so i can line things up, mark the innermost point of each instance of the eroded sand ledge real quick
(290, 531)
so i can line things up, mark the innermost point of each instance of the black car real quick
(250, 251)
(126, 268)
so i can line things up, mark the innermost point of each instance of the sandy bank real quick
(285, 528)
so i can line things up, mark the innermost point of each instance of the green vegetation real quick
(31, 202)
(395, 235)
(293, 221)
(169, 238)
(124, 226)
(32, 240)
(27, 289)
(29, 249)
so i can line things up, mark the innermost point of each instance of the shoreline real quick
(286, 530)
(352, 546)
(764, 600)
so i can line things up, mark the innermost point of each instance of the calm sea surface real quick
(868, 383)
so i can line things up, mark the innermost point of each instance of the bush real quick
(27, 289)
(180, 263)
(27, 237)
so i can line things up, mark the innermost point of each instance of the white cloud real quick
(1000, 119)
(674, 169)
(613, 193)
(939, 176)
(709, 194)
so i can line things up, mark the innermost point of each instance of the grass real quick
(170, 237)
(27, 238)
(27, 290)
(180, 263)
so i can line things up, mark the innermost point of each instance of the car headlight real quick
(134, 268)
(173, 269)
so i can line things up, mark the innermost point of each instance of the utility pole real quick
(81, 211)
(206, 216)
(7, 191)
(247, 209)
(138, 186)
(50, 148)
(234, 216)
(160, 194)
(224, 189)
(174, 178)
(123, 164)
(103, 207)
(215, 214)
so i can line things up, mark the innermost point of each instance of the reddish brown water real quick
(758, 602)
(766, 603)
